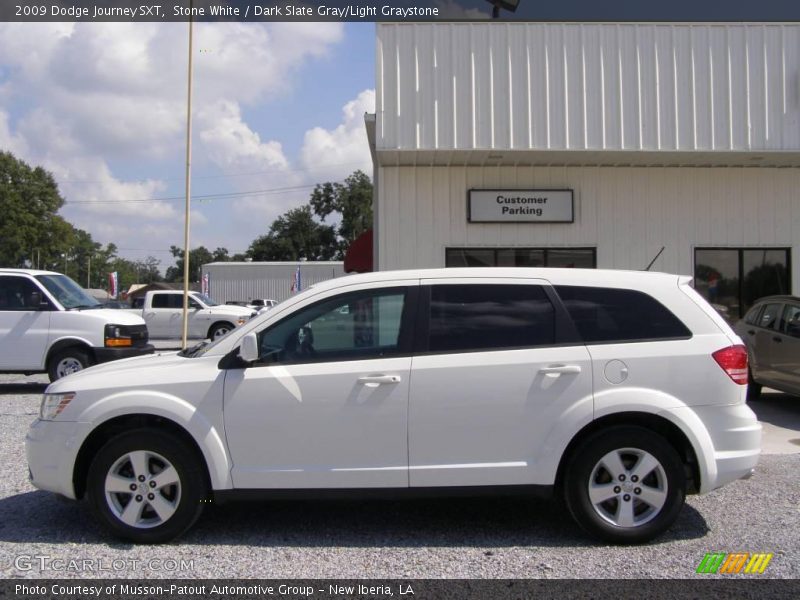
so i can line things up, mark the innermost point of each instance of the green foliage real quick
(29, 225)
(293, 236)
(351, 201)
(197, 258)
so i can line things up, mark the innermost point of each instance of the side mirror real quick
(248, 351)
(37, 302)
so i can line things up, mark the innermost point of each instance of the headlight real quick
(53, 404)
(117, 336)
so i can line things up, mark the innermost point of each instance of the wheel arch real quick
(115, 425)
(673, 434)
(66, 343)
(216, 324)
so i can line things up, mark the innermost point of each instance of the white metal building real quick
(244, 281)
(684, 137)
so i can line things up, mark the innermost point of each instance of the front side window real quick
(67, 292)
(474, 317)
(607, 315)
(354, 326)
(18, 293)
(769, 318)
(205, 299)
(751, 318)
(790, 322)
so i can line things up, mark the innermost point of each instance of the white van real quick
(49, 324)
(621, 391)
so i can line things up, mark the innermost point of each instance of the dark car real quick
(771, 331)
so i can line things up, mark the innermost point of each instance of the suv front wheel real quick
(146, 486)
(625, 484)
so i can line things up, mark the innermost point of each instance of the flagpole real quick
(187, 207)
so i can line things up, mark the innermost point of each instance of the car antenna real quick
(655, 259)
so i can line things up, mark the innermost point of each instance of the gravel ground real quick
(469, 538)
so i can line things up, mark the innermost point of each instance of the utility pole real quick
(187, 208)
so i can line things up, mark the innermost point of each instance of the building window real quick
(585, 258)
(732, 279)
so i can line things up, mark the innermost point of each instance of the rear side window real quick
(471, 318)
(606, 315)
(167, 301)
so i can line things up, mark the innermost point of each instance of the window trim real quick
(564, 333)
(405, 338)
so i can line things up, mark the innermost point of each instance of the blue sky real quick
(102, 106)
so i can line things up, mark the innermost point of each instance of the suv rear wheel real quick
(146, 486)
(625, 484)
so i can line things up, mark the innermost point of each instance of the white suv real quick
(623, 391)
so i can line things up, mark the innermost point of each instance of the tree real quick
(295, 235)
(30, 229)
(197, 258)
(351, 201)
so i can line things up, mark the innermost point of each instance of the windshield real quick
(205, 300)
(67, 292)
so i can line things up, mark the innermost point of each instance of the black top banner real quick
(402, 10)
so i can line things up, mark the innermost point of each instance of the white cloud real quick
(230, 143)
(77, 98)
(326, 155)
(345, 147)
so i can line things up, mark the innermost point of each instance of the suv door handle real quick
(558, 369)
(775, 338)
(376, 380)
(751, 332)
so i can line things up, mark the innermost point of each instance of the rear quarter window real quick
(607, 315)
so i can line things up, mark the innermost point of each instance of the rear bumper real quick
(103, 355)
(732, 446)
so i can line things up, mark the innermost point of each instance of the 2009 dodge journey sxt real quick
(623, 391)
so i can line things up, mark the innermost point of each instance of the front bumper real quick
(103, 355)
(732, 446)
(51, 448)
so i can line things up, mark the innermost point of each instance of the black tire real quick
(628, 443)
(219, 329)
(753, 388)
(64, 362)
(185, 500)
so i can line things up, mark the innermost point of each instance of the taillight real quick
(733, 361)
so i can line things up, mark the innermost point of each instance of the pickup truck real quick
(49, 324)
(162, 310)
